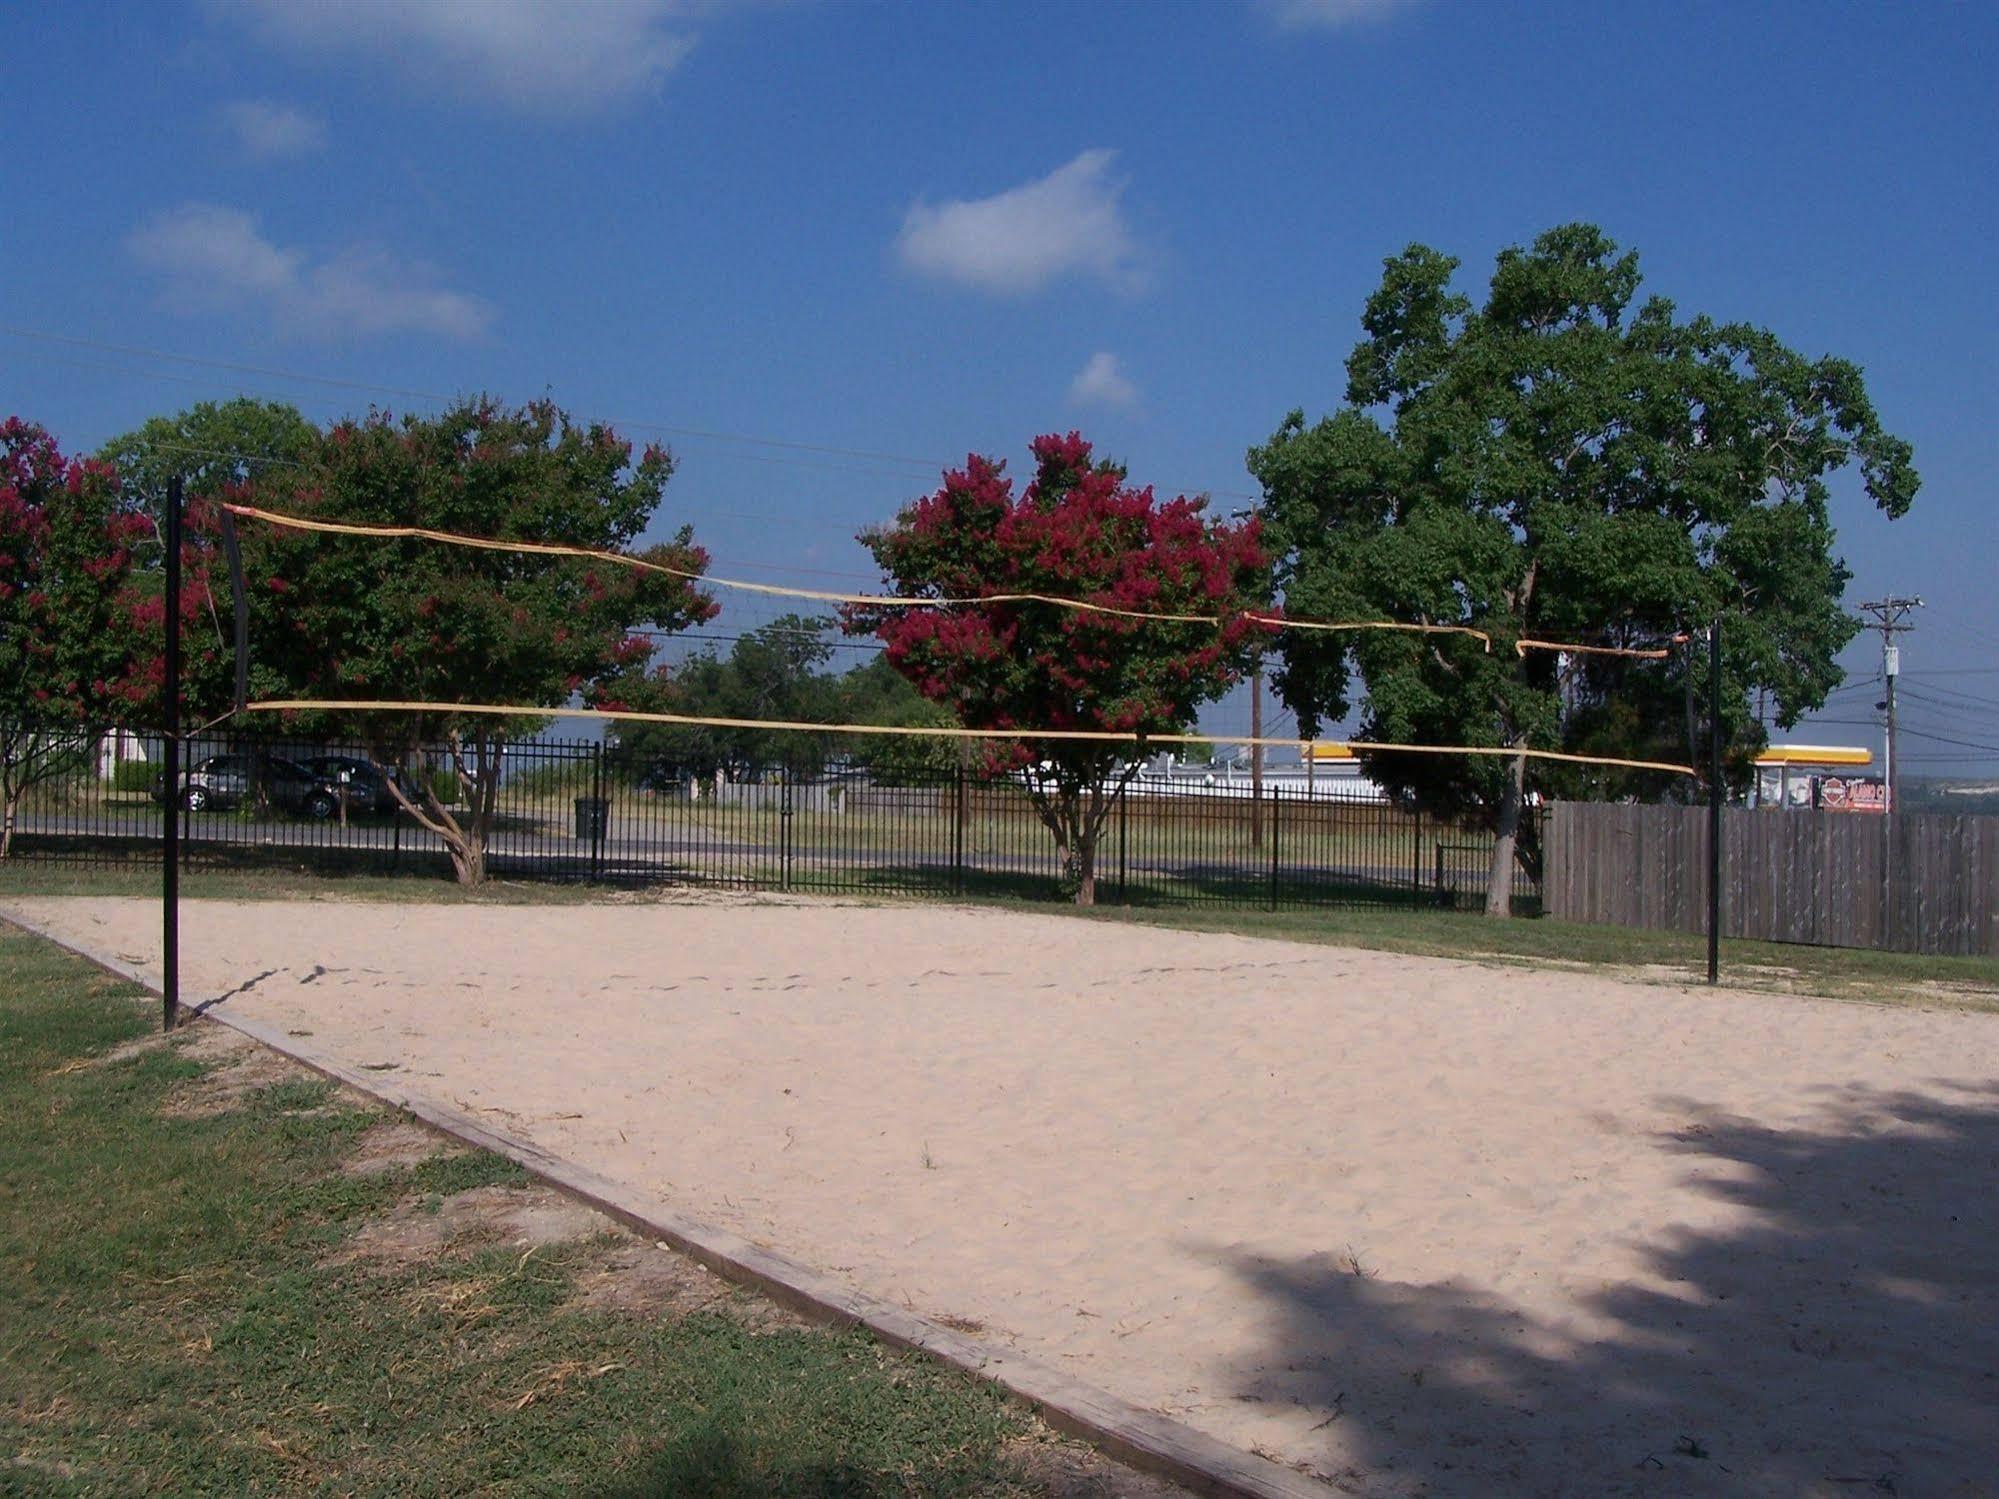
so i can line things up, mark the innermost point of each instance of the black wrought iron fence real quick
(579, 810)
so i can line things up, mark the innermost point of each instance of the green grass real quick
(177, 1314)
(1677, 957)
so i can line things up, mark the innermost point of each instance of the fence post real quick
(1439, 888)
(958, 831)
(1275, 807)
(1123, 881)
(600, 814)
(784, 834)
(1416, 854)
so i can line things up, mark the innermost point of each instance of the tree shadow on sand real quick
(1841, 1339)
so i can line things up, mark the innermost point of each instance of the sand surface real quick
(1418, 1227)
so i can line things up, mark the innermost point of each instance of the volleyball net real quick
(1270, 621)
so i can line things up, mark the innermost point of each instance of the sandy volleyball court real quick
(1419, 1227)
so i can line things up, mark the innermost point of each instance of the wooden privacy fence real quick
(1919, 882)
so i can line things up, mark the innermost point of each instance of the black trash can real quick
(593, 817)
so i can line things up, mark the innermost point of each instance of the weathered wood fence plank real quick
(1787, 876)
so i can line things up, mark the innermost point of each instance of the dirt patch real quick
(124, 1051)
(1061, 1469)
(1965, 992)
(395, 1143)
(618, 1273)
(531, 1217)
(233, 1068)
(631, 1276)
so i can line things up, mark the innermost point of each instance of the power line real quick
(1947, 739)
(1963, 702)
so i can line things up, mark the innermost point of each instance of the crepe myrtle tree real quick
(67, 662)
(344, 617)
(1080, 531)
(1569, 463)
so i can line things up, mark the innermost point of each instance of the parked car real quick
(367, 783)
(224, 781)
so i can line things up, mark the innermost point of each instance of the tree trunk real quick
(464, 841)
(1506, 833)
(7, 827)
(468, 859)
(1084, 856)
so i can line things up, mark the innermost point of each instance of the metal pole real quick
(170, 753)
(1714, 803)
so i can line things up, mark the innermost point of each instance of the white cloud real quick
(1067, 223)
(1101, 383)
(215, 258)
(270, 132)
(1330, 15)
(562, 56)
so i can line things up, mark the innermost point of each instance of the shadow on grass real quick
(715, 1463)
(1842, 1337)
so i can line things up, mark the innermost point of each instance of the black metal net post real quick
(170, 850)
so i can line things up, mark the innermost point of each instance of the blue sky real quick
(905, 231)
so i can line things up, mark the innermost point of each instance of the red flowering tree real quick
(1077, 531)
(66, 668)
(345, 617)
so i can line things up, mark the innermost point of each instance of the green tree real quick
(210, 448)
(1563, 463)
(343, 617)
(776, 671)
(875, 692)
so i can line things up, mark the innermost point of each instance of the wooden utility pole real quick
(1715, 794)
(1890, 616)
